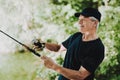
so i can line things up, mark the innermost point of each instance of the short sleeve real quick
(67, 42)
(90, 64)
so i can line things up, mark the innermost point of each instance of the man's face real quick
(86, 24)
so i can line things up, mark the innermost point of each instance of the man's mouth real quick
(81, 26)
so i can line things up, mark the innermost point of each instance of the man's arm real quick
(68, 73)
(73, 74)
(54, 47)
(51, 47)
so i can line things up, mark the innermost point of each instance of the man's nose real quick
(80, 22)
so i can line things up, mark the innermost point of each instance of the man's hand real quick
(68, 73)
(38, 44)
(48, 62)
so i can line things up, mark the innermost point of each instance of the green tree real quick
(63, 14)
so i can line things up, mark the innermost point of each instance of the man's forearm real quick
(68, 73)
(52, 47)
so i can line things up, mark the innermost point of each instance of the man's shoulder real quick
(100, 43)
(77, 34)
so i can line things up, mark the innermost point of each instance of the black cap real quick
(90, 12)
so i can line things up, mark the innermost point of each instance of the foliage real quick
(36, 19)
(110, 67)
(18, 66)
(108, 31)
(78, 4)
(62, 12)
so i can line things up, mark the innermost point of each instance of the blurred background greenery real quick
(53, 21)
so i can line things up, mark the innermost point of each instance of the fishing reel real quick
(39, 45)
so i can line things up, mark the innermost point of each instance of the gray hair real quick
(94, 19)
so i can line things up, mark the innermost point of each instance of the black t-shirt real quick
(88, 54)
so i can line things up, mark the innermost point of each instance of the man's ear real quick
(96, 23)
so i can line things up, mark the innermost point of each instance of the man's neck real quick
(89, 36)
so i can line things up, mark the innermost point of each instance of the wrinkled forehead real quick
(82, 17)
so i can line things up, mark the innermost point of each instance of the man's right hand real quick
(38, 44)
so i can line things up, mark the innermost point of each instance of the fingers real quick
(37, 44)
(45, 60)
(44, 57)
(36, 48)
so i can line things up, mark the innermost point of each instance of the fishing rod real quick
(28, 48)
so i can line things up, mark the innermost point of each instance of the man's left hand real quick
(48, 62)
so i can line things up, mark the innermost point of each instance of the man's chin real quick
(81, 31)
